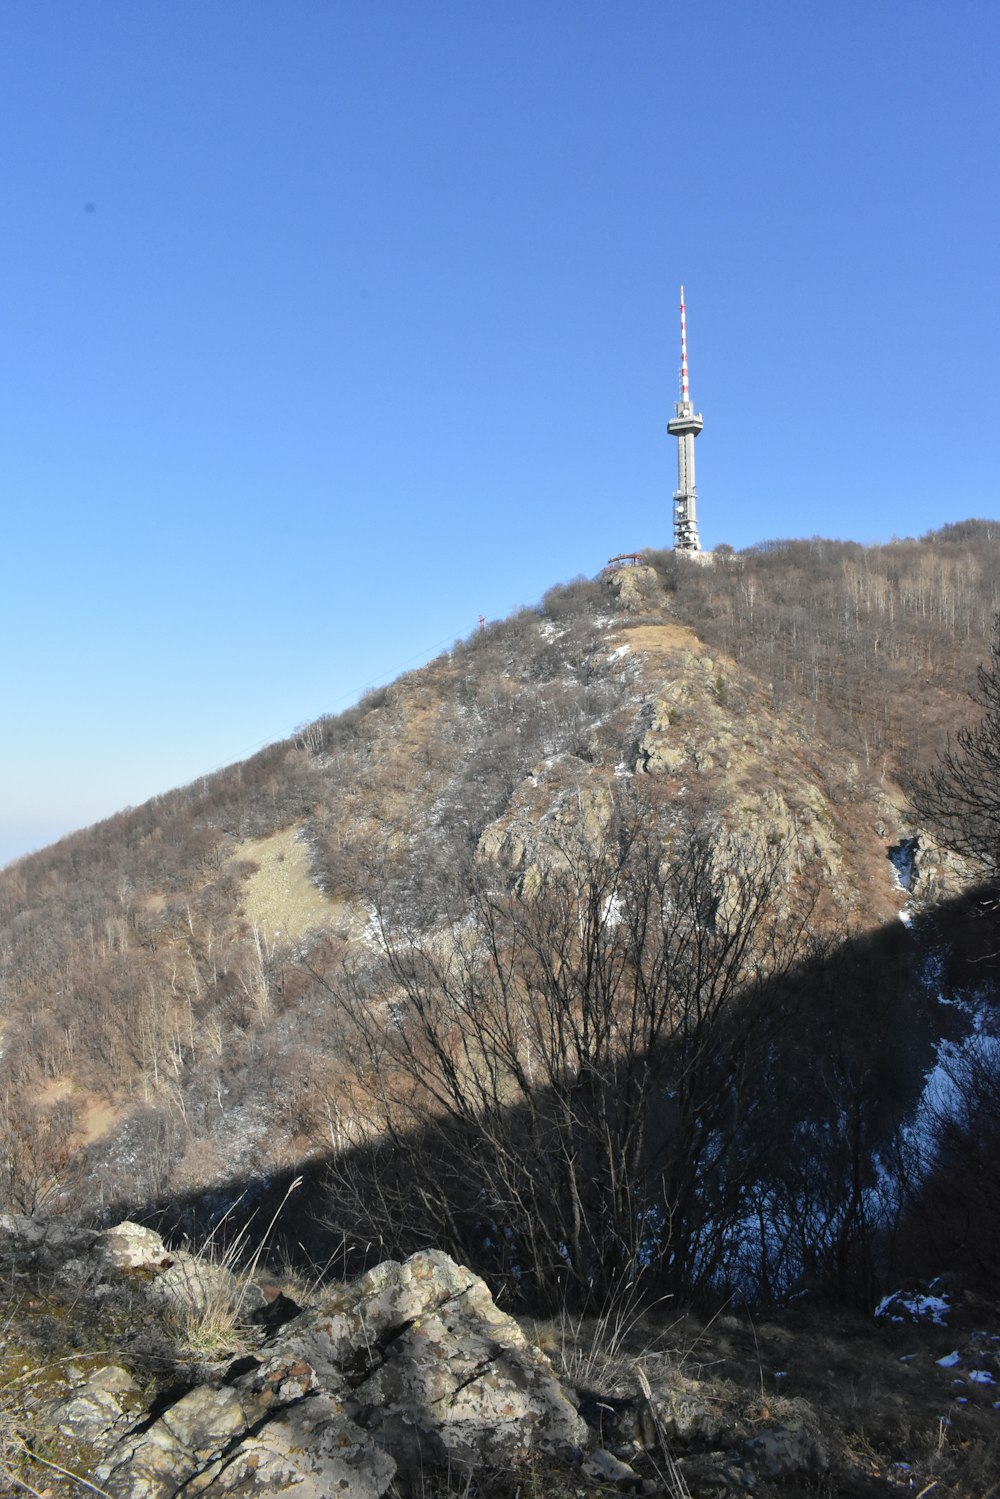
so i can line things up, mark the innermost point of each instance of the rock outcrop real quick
(408, 1372)
(410, 1367)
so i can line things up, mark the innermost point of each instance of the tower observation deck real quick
(685, 426)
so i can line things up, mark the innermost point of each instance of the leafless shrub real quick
(556, 1082)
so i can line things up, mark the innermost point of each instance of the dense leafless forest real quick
(602, 967)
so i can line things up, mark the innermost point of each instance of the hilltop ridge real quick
(167, 980)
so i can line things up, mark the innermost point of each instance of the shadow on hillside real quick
(846, 1066)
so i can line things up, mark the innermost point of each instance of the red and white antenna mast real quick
(685, 426)
(685, 392)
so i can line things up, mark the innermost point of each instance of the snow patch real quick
(903, 858)
(917, 1306)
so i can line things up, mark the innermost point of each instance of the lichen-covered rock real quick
(434, 1369)
(130, 1246)
(244, 1443)
(189, 1437)
(684, 1413)
(42, 1243)
(634, 585)
(607, 1468)
(98, 1409)
(314, 1452)
(19, 1233)
(410, 1366)
(794, 1446)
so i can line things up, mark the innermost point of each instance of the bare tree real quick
(955, 1220)
(557, 1085)
(961, 797)
(39, 1150)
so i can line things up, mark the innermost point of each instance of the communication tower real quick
(685, 426)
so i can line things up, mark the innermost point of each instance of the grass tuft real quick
(208, 1317)
(599, 1352)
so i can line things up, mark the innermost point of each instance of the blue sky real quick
(328, 327)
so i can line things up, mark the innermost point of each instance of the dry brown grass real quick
(659, 639)
(280, 898)
(892, 1418)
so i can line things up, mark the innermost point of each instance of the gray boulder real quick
(433, 1370)
(41, 1243)
(410, 1366)
(99, 1409)
(794, 1446)
(188, 1439)
(130, 1246)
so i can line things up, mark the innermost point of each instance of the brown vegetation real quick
(789, 692)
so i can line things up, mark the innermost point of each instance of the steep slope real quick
(165, 976)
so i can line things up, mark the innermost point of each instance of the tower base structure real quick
(685, 427)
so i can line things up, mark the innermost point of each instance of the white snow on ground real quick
(950, 1360)
(981, 1376)
(611, 915)
(622, 650)
(903, 859)
(371, 933)
(942, 1095)
(918, 1307)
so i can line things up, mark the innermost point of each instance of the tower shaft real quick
(685, 426)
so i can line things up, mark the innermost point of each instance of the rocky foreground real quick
(139, 1372)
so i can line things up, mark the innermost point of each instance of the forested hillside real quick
(576, 949)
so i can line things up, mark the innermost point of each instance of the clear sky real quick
(329, 326)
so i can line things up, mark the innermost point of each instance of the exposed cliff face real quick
(699, 728)
(712, 734)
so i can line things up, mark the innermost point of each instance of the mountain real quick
(270, 970)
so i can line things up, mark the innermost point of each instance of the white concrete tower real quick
(685, 426)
